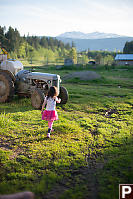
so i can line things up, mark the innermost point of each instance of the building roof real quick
(124, 57)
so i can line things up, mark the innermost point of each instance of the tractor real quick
(14, 80)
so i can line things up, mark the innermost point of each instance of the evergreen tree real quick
(67, 46)
(128, 48)
(2, 36)
(44, 42)
(13, 39)
(51, 43)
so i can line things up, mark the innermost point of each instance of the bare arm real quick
(44, 104)
(58, 100)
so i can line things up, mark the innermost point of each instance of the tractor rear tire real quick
(37, 98)
(6, 87)
(63, 95)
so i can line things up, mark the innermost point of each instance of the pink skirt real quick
(49, 115)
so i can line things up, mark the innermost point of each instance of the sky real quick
(54, 17)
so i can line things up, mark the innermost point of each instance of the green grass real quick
(91, 146)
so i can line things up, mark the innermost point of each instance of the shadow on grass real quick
(16, 105)
(99, 179)
(117, 168)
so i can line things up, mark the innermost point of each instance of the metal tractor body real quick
(15, 80)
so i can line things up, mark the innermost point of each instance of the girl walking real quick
(50, 113)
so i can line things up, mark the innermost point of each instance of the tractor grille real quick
(55, 83)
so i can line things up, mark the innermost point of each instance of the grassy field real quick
(90, 151)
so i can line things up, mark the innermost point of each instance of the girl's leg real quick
(50, 124)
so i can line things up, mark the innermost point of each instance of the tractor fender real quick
(8, 73)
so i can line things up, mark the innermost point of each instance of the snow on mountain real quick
(93, 35)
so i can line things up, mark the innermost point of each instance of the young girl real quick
(50, 113)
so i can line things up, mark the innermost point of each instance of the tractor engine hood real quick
(43, 76)
(36, 75)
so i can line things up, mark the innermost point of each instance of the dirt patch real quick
(82, 75)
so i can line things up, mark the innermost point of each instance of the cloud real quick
(53, 17)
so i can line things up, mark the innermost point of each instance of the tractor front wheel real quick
(37, 98)
(63, 95)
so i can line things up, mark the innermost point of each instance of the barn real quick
(124, 59)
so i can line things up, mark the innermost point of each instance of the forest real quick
(32, 47)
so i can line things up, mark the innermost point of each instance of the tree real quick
(32, 54)
(98, 58)
(128, 48)
(82, 59)
(49, 56)
(73, 55)
(22, 50)
(2, 36)
(51, 43)
(73, 44)
(108, 60)
(13, 39)
(44, 42)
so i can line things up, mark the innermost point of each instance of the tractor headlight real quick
(49, 81)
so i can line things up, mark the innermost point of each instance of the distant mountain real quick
(93, 35)
(95, 41)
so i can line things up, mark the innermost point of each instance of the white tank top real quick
(51, 103)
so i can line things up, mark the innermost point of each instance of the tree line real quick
(51, 50)
(29, 46)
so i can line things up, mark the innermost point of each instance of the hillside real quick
(109, 44)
